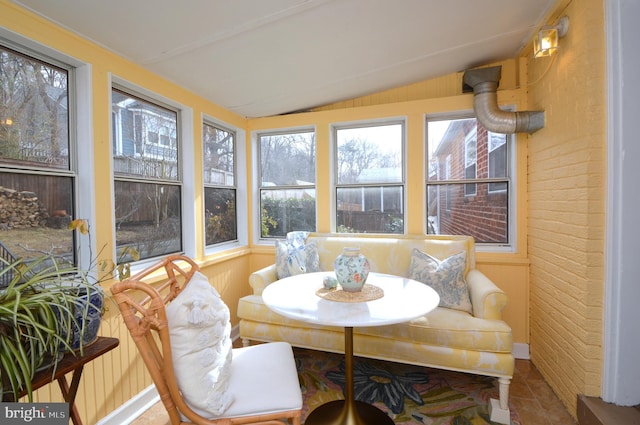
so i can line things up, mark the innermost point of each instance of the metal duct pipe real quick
(484, 82)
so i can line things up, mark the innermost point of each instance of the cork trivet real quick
(368, 293)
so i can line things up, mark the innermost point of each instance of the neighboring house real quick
(467, 201)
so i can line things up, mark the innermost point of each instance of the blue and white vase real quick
(352, 269)
(88, 317)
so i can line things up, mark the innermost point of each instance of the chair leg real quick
(499, 409)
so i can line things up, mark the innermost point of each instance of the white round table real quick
(296, 297)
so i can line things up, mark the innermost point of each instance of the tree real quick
(354, 156)
(287, 159)
(33, 110)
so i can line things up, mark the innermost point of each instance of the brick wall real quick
(567, 194)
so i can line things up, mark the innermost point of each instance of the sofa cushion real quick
(446, 277)
(201, 346)
(448, 328)
(294, 256)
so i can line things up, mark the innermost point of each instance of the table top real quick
(404, 299)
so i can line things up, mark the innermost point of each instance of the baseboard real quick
(133, 408)
(235, 333)
(521, 351)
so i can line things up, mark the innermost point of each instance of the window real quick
(370, 179)
(219, 156)
(287, 183)
(148, 191)
(468, 191)
(38, 173)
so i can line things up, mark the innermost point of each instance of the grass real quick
(36, 241)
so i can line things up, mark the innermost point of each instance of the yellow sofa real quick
(479, 343)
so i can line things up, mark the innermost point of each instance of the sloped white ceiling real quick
(268, 57)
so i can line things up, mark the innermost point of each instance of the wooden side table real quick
(71, 363)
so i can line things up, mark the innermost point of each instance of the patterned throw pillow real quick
(445, 277)
(294, 256)
(201, 346)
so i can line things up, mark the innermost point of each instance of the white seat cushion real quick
(264, 379)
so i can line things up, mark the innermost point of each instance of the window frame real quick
(258, 180)
(214, 247)
(402, 184)
(511, 179)
(79, 113)
(183, 180)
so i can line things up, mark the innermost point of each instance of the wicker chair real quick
(263, 394)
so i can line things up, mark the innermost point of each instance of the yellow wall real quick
(567, 194)
(560, 196)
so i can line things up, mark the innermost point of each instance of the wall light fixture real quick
(545, 43)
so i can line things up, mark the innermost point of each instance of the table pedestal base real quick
(339, 412)
(348, 411)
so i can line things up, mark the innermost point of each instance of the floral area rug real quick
(410, 395)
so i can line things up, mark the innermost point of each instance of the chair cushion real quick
(201, 347)
(294, 256)
(264, 380)
(446, 277)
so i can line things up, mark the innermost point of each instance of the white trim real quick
(521, 351)
(235, 332)
(85, 183)
(132, 409)
(620, 369)
(189, 213)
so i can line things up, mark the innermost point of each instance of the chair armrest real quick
(487, 299)
(261, 278)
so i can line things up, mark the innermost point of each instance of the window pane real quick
(484, 216)
(148, 218)
(220, 215)
(144, 138)
(288, 159)
(219, 157)
(472, 168)
(34, 112)
(369, 154)
(35, 212)
(370, 209)
(369, 177)
(287, 183)
(287, 210)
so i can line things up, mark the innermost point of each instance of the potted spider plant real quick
(49, 307)
(39, 319)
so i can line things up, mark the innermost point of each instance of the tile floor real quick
(530, 394)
